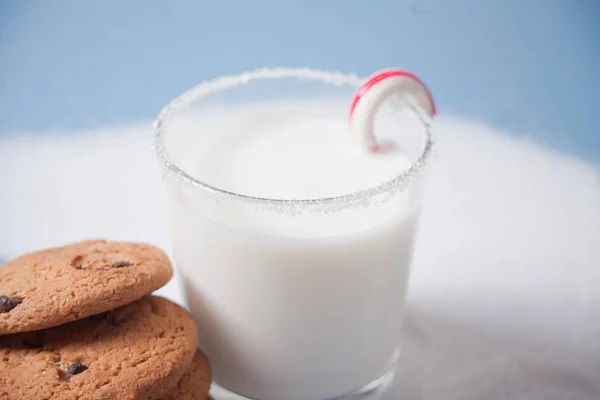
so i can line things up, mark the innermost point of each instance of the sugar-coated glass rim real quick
(331, 78)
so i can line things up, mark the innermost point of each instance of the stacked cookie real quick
(78, 322)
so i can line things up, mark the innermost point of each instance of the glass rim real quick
(219, 84)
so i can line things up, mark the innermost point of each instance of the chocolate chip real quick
(121, 264)
(8, 303)
(76, 262)
(76, 368)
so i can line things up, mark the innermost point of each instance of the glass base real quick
(371, 391)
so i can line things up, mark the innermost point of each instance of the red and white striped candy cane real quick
(375, 90)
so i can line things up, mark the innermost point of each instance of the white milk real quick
(294, 307)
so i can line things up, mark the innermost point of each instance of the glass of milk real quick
(294, 240)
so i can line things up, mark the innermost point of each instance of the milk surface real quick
(289, 306)
(294, 151)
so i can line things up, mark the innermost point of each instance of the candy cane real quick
(375, 90)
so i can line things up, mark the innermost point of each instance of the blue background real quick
(526, 65)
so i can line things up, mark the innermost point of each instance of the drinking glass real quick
(295, 299)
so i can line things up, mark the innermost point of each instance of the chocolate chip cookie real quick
(55, 286)
(195, 383)
(138, 351)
